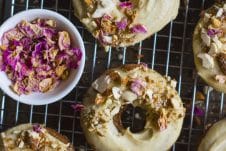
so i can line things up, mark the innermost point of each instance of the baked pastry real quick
(123, 23)
(209, 46)
(141, 87)
(215, 138)
(28, 137)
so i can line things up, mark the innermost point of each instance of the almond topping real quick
(216, 22)
(99, 99)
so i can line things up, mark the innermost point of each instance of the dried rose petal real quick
(137, 86)
(77, 107)
(213, 32)
(198, 111)
(127, 4)
(144, 64)
(37, 128)
(139, 29)
(122, 24)
(107, 17)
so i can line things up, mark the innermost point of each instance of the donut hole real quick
(134, 118)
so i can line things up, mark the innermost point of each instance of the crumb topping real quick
(155, 95)
(213, 37)
(114, 22)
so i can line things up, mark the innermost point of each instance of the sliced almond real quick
(207, 60)
(175, 103)
(99, 99)
(116, 92)
(220, 12)
(206, 39)
(129, 96)
(101, 84)
(213, 49)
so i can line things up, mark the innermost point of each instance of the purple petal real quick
(212, 32)
(198, 111)
(139, 29)
(122, 24)
(49, 32)
(77, 52)
(77, 107)
(137, 86)
(107, 17)
(126, 4)
(37, 128)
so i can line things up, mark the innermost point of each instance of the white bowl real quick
(64, 87)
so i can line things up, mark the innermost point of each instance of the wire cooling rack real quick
(168, 51)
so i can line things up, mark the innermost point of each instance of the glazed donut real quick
(215, 138)
(120, 24)
(209, 45)
(33, 137)
(141, 87)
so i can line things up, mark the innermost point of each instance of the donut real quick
(120, 23)
(215, 138)
(209, 45)
(138, 86)
(30, 137)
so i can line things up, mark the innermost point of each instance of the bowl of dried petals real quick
(42, 57)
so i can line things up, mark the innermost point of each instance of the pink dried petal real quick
(127, 4)
(198, 111)
(137, 86)
(139, 29)
(213, 32)
(107, 17)
(122, 24)
(78, 107)
(37, 128)
(144, 64)
(12, 34)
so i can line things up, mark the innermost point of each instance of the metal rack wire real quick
(168, 51)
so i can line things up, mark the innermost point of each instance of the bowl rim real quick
(80, 68)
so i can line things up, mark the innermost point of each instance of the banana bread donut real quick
(33, 137)
(120, 23)
(141, 87)
(209, 46)
(215, 138)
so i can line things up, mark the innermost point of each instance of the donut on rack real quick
(33, 137)
(209, 46)
(120, 23)
(141, 87)
(215, 138)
